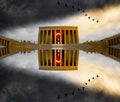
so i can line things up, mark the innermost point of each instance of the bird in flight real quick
(97, 21)
(83, 88)
(97, 75)
(73, 7)
(83, 10)
(58, 97)
(73, 93)
(78, 89)
(66, 5)
(85, 83)
(58, 3)
(66, 95)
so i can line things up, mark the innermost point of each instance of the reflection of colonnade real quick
(4, 51)
(48, 59)
(4, 42)
(114, 53)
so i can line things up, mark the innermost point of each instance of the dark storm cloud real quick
(17, 12)
(18, 86)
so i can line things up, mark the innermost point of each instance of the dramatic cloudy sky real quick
(22, 81)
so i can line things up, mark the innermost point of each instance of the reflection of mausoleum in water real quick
(58, 59)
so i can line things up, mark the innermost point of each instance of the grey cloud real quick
(18, 12)
(18, 86)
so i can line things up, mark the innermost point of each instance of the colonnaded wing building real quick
(5, 50)
(9, 47)
(109, 47)
(58, 59)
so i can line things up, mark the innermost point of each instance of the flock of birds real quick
(89, 80)
(79, 90)
(73, 7)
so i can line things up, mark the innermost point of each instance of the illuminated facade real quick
(58, 35)
(58, 59)
(58, 47)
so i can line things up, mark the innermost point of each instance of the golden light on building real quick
(6, 49)
(113, 47)
(58, 59)
(114, 53)
(58, 35)
(109, 47)
(114, 40)
(10, 47)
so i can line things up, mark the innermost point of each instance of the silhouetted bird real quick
(85, 83)
(66, 5)
(97, 75)
(97, 21)
(58, 3)
(88, 17)
(73, 7)
(66, 95)
(73, 93)
(83, 88)
(85, 14)
(58, 97)
(89, 80)
(78, 89)
(92, 77)
(83, 10)
(93, 19)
